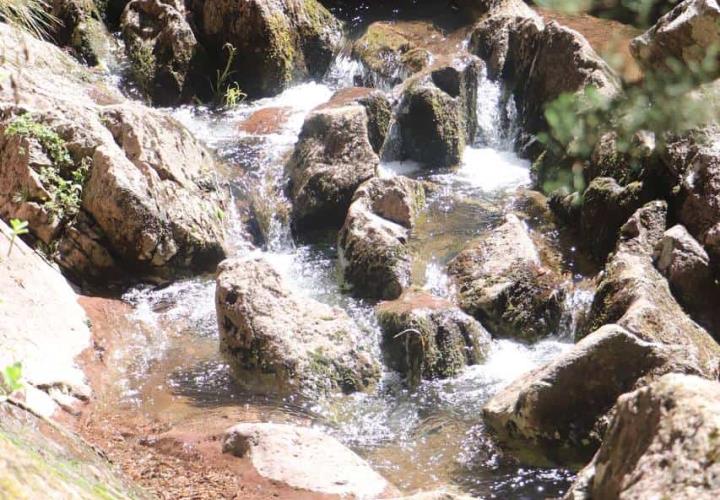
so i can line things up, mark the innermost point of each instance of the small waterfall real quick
(344, 72)
(497, 116)
(575, 309)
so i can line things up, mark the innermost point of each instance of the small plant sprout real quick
(17, 228)
(227, 94)
(11, 380)
(233, 95)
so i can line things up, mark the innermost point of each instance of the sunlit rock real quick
(114, 190)
(305, 459)
(662, 443)
(502, 282)
(558, 413)
(275, 335)
(634, 295)
(685, 35)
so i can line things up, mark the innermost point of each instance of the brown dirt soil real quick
(610, 39)
(169, 462)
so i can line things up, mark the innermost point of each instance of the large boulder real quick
(165, 56)
(372, 244)
(558, 412)
(502, 282)
(633, 294)
(305, 459)
(290, 341)
(685, 35)
(662, 443)
(332, 157)
(538, 61)
(112, 189)
(426, 337)
(277, 41)
(686, 265)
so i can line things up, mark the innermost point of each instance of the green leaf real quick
(19, 227)
(12, 376)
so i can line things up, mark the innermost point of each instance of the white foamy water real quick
(489, 169)
(388, 169)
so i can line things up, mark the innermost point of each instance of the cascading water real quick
(170, 366)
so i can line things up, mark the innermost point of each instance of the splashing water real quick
(422, 439)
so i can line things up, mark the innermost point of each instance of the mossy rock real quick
(432, 128)
(425, 337)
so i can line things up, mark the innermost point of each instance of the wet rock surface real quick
(426, 337)
(661, 442)
(502, 282)
(80, 28)
(293, 342)
(305, 458)
(372, 244)
(558, 413)
(332, 158)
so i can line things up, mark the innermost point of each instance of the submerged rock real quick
(274, 333)
(502, 282)
(277, 41)
(305, 459)
(373, 256)
(685, 34)
(662, 443)
(332, 157)
(558, 412)
(166, 58)
(114, 190)
(633, 294)
(425, 337)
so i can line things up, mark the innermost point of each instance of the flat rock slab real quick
(305, 458)
(41, 323)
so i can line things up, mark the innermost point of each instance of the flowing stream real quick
(169, 366)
